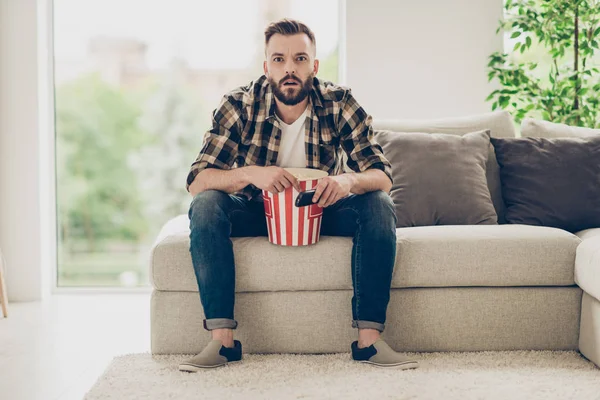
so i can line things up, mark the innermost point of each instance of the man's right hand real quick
(272, 179)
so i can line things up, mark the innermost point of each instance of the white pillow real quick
(545, 129)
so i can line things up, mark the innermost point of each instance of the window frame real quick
(49, 225)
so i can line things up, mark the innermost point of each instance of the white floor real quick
(56, 349)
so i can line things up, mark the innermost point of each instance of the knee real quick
(378, 201)
(208, 205)
(378, 210)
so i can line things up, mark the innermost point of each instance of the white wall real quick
(20, 195)
(421, 59)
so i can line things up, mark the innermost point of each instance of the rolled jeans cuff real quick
(368, 325)
(219, 323)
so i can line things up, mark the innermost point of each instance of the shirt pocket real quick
(326, 136)
(252, 134)
(255, 143)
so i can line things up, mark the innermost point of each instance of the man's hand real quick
(272, 179)
(332, 188)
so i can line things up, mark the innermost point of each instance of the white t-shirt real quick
(291, 146)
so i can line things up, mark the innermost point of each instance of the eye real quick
(278, 59)
(302, 58)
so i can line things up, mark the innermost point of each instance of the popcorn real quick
(306, 173)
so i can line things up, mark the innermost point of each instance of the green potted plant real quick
(552, 72)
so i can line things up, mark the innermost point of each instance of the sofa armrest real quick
(587, 265)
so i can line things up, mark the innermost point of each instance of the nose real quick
(290, 68)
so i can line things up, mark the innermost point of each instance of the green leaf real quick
(550, 97)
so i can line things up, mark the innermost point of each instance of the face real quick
(290, 67)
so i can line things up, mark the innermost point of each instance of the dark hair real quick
(288, 26)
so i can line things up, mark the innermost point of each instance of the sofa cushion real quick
(430, 256)
(545, 129)
(439, 179)
(551, 182)
(500, 124)
(588, 233)
(587, 264)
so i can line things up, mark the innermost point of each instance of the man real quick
(289, 118)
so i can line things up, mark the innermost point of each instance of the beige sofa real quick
(454, 288)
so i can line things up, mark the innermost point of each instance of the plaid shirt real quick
(245, 132)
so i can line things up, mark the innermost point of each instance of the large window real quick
(135, 84)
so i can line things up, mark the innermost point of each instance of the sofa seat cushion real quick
(429, 256)
(588, 233)
(587, 262)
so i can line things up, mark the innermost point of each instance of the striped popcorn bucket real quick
(287, 224)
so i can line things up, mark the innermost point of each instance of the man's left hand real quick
(331, 189)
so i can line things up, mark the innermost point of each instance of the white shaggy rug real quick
(473, 375)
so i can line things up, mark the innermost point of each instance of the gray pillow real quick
(500, 123)
(551, 182)
(439, 179)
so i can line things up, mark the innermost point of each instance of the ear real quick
(265, 68)
(316, 67)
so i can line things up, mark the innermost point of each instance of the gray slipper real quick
(381, 354)
(214, 355)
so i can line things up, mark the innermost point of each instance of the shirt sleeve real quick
(356, 138)
(220, 144)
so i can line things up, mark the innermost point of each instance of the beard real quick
(290, 96)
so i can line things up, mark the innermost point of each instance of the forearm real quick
(228, 181)
(369, 181)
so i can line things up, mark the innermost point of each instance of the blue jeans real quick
(369, 218)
